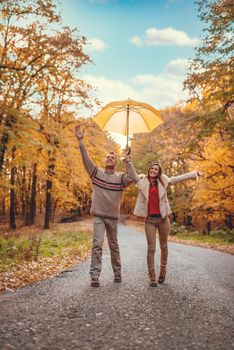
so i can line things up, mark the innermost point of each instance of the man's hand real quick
(79, 132)
(199, 173)
(127, 154)
(127, 150)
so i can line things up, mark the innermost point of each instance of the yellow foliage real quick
(214, 196)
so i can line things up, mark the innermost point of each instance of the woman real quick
(152, 203)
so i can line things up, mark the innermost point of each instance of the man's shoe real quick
(95, 282)
(118, 279)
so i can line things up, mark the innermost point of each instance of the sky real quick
(139, 48)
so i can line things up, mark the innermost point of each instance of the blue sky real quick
(140, 48)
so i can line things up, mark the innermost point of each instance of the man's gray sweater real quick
(107, 187)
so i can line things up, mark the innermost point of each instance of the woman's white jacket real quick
(143, 184)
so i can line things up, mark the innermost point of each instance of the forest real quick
(41, 101)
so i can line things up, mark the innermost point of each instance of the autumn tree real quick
(32, 60)
(210, 78)
(213, 197)
(23, 57)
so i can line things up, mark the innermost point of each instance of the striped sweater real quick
(107, 187)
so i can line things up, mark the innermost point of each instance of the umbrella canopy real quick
(128, 117)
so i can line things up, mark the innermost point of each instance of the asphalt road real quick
(193, 309)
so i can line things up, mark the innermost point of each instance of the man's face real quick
(110, 160)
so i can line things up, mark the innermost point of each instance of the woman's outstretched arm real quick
(193, 175)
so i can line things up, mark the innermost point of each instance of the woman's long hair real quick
(158, 177)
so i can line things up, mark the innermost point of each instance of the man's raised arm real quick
(131, 175)
(88, 163)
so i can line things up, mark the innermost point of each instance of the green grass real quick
(65, 241)
(218, 236)
(18, 249)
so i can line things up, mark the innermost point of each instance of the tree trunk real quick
(3, 211)
(40, 205)
(174, 217)
(40, 191)
(54, 210)
(3, 147)
(12, 193)
(23, 191)
(48, 203)
(48, 193)
(208, 227)
(4, 140)
(229, 222)
(27, 201)
(32, 208)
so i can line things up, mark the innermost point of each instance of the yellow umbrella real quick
(128, 117)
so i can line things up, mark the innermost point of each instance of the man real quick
(108, 186)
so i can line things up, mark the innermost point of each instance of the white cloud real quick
(160, 90)
(177, 67)
(166, 36)
(111, 90)
(136, 40)
(96, 45)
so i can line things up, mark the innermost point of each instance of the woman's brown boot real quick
(162, 274)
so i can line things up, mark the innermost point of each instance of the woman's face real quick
(153, 171)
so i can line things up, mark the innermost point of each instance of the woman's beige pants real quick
(151, 226)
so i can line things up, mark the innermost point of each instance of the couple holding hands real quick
(152, 204)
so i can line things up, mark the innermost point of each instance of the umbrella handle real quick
(127, 125)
